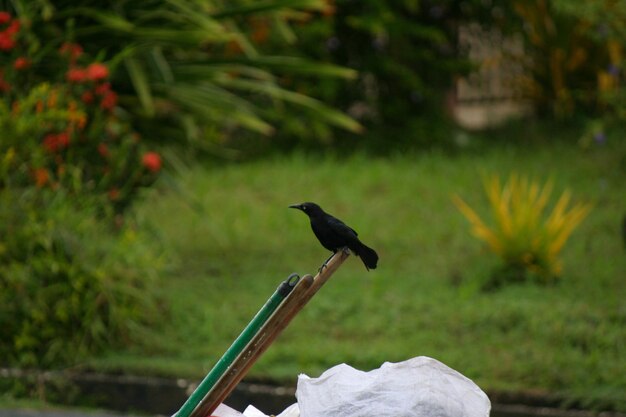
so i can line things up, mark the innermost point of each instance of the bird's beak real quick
(296, 206)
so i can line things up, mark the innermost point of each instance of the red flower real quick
(50, 143)
(54, 142)
(102, 89)
(87, 97)
(97, 71)
(7, 37)
(152, 161)
(63, 139)
(6, 41)
(13, 28)
(41, 177)
(76, 75)
(108, 101)
(21, 63)
(103, 150)
(4, 18)
(73, 50)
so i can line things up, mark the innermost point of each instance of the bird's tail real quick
(368, 256)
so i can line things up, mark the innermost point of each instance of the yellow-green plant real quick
(525, 237)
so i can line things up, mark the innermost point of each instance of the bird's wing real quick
(340, 227)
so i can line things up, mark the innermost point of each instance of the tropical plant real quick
(576, 51)
(406, 56)
(70, 165)
(64, 128)
(186, 68)
(70, 285)
(527, 241)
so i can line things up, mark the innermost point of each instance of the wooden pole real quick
(235, 350)
(306, 288)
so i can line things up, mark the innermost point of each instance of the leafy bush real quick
(69, 285)
(63, 128)
(527, 242)
(73, 277)
(576, 54)
(189, 70)
(406, 56)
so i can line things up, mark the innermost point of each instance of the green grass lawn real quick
(234, 240)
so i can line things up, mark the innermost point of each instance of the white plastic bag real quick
(291, 411)
(418, 387)
(223, 410)
(251, 411)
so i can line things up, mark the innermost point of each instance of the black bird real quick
(334, 235)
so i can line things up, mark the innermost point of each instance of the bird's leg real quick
(345, 250)
(325, 264)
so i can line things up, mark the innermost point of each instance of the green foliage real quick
(63, 128)
(576, 51)
(405, 54)
(185, 69)
(69, 285)
(234, 235)
(527, 241)
(74, 275)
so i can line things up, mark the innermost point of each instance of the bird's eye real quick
(303, 208)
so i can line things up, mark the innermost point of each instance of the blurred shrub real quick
(69, 286)
(74, 277)
(527, 242)
(62, 128)
(577, 54)
(406, 57)
(188, 70)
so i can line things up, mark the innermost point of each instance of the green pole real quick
(237, 347)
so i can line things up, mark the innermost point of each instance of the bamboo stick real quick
(282, 316)
(234, 351)
(248, 357)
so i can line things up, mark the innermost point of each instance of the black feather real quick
(335, 235)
